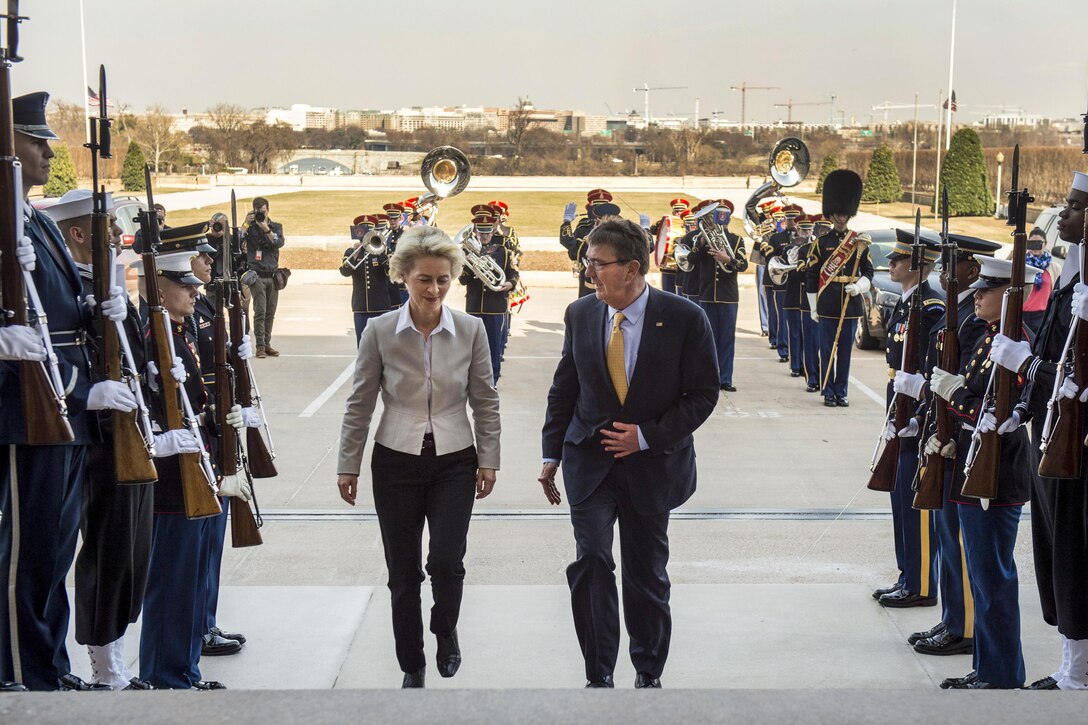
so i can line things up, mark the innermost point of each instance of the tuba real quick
(372, 244)
(445, 172)
(714, 234)
(789, 165)
(484, 267)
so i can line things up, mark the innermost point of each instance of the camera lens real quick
(217, 227)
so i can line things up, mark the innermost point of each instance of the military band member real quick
(719, 294)
(574, 240)
(510, 240)
(668, 270)
(687, 283)
(763, 209)
(838, 271)
(778, 245)
(369, 277)
(395, 214)
(794, 295)
(491, 306)
(913, 532)
(810, 328)
(989, 534)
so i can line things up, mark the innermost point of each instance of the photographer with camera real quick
(263, 240)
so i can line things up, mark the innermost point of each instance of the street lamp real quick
(997, 193)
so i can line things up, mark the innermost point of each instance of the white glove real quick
(934, 446)
(245, 349)
(1009, 354)
(911, 431)
(1011, 424)
(570, 211)
(173, 442)
(988, 424)
(1080, 301)
(25, 254)
(250, 417)
(236, 486)
(910, 384)
(944, 384)
(235, 418)
(644, 221)
(1069, 388)
(812, 306)
(19, 342)
(860, 287)
(114, 308)
(177, 372)
(111, 395)
(889, 431)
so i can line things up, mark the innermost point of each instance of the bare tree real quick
(264, 143)
(155, 133)
(228, 122)
(687, 142)
(520, 119)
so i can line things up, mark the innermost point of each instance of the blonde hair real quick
(419, 242)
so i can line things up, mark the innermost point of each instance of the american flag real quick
(951, 100)
(92, 98)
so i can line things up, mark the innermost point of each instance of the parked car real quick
(127, 209)
(884, 295)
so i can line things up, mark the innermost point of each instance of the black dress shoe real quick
(812, 388)
(644, 681)
(74, 683)
(449, 655)
(137, 684)
(958, 683)
(6, 686)
(729, 388)
(919, 636)
(829, 401)
(236, 636)
(216, 646)
(208, 685)
(902, 599)
(945, 643)
(878, 593)
(603, 683)
(842, 402)
(1047, 683)
(796, 373)
(414, 679)
(783, 359)
(980, 685)
(773, 346)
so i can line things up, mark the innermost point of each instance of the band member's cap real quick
(479, 209)
(766, 204)
(969, 247)
(805, 222)
(904, 240)
(28, 115)
(484, 222)
(819, 219)
(679, 203)
(1080, 181)
(792, 211)
(685, 215)
(778, 213)
(191, 238)
(998, 273)
(701, 205)
(842, 193)
(367, 219)
(598, 196)
(393, 209)
(501, 206)
(382, 221)
(725, 204)
(75, 204)
(410, 204)
(177, 267)
(606, 209)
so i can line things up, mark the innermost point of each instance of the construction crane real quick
(788, 105)
(646, 88)
(744, 88)
(887, 106)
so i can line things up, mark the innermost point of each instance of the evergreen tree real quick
(964, 174)
(62, 173)
(882, 180)
(132, 171)
(830, 164)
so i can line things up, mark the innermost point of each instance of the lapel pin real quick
(660, 324)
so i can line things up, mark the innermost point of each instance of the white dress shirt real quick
(445, 323)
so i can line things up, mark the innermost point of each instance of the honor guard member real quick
(719, 294)
(778, 245)
(111, 566)
(913, 532)
(1059, 507)
(395, 214)
(369, 274)
(490, 305)
(412, 216)
(668, 271)
(989, 533)
(776, 326)
(763, 209)
(838, 271)
(687, 283)
(574, 240)
(954, 634)
(794, 292)
(795, 295)
(41, 486)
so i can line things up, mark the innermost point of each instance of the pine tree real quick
(62, 173)
(132, 171)
(964, 174)
(830, 164)
(882, 180)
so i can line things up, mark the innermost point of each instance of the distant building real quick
(302, 117)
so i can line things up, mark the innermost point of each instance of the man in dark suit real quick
(638, 374)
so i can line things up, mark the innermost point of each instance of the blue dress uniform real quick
(41, 486)
(787, 340)
(491, 307)
(793, 303)
(370, 287)
(574, 241)
(719, 297)
(398, 293)
(810, 329)
(776, 327)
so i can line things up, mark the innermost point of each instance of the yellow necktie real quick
(617, 370)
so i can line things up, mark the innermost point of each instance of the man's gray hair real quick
(419, 242)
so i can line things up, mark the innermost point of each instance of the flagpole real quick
(83, 90)
(951, 88)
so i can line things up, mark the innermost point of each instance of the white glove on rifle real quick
(235, 418)
(860, 287)
(250, 417)
(909, 384)
(944, 384)
(1008, 353)
(25, 254)
(811, 296)
(111, 395)
(1080, 301)
(115, 308)
(237, 486)
(177, 372)
(20, 342)
(570, 211)
(989, 423)
(1068, 389)
(173, 442)
(245, 349)
(911, 430)
(934, 446)
(889, 430)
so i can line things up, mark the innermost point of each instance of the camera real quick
(217, 227)
(259, 216)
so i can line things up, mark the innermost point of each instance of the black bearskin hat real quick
(842, 193)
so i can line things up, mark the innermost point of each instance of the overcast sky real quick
(580, 54)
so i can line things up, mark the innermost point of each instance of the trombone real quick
(372, 244)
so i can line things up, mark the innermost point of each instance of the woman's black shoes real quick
(449, 654)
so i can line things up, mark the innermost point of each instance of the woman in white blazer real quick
(428, 362)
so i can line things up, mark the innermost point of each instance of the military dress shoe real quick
(829, 401)
(449, 655)
(74, 683)
(236, 636)
(1047, 683)
(6, 686)
(271, 351)
(902, 599)
(878, 593)
(919, 636)
(842, 402)
(603, 683)
(137, 684)
(945, 643)
(729, 388)
(260, 352)
(957, 683)
(980, 685)
(208, 685)
(644, 681)
(811, 388)
(215, 646)
(783, 359)
(414, 679)
(773, 345)
(796, 373)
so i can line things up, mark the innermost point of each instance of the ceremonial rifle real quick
(984, 455)
(884, 473)
(133, 447)
(930, 491)
(197, 478)
(45, 410)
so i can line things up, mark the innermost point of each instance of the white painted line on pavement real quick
(878, 399)
(316, 355)
(328, 392)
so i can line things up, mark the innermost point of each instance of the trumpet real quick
(484, 267)
(714, 235)
(372, 244)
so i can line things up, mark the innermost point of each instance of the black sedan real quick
(881, 299)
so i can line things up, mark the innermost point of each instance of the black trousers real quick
(644, 555)
(409, 490)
